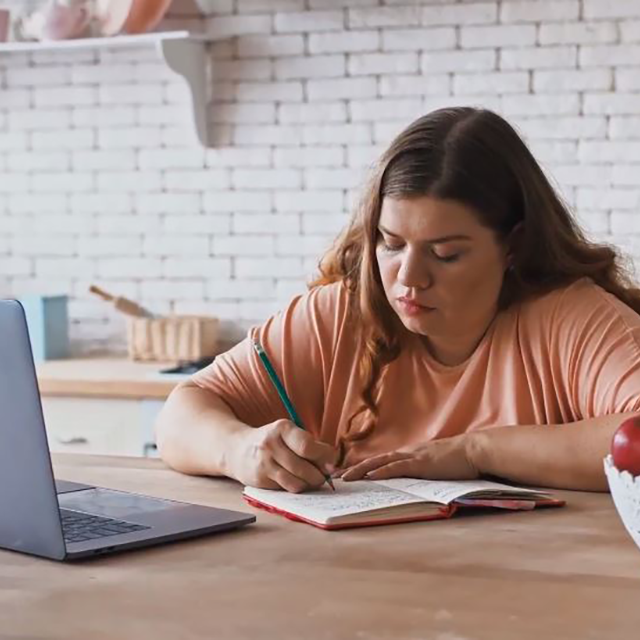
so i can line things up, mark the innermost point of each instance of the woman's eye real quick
(390, 247)
(451, 258)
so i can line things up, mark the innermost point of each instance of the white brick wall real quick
(101, 179)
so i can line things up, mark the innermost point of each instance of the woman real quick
(461, 326)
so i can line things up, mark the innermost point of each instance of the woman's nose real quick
(414, 272)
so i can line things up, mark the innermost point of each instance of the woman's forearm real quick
(196, 432)
(567, 456)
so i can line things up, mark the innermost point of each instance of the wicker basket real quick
(172, 338)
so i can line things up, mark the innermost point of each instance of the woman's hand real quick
(445, 459)
(280, 455)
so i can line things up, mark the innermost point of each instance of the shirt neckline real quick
(461, 366)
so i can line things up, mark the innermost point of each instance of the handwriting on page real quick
(349, 497)
(445, 492)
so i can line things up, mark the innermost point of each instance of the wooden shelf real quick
(184, 53)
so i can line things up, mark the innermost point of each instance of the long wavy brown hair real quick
(475, 157)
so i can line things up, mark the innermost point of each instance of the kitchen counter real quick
(105, 377)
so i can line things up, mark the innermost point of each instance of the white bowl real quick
(625, 491)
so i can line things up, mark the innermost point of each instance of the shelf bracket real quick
(188, 58)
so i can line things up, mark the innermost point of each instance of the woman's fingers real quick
(303, 469)
(281, 455)
(366, 467)
(322, 455)
(445, 459)
(398, 469)
(286, 480)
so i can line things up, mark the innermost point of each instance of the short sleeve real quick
(300, 343)
(597, 342)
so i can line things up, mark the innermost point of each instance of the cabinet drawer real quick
(93, 425)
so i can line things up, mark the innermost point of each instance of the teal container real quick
(48, 322)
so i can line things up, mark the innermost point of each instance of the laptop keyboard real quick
(79, 527)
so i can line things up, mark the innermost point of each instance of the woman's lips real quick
(411, 307)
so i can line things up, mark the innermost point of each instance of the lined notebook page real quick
(445, 492)
(349, 498)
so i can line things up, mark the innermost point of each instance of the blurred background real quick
(217, 196)
(102, 177)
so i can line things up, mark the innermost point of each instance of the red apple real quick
(625, 446)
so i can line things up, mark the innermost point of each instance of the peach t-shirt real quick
(564, 356)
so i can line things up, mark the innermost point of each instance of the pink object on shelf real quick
(145, 15)
(62, 22)
(5, 18)
(111, 15)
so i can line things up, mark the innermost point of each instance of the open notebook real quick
(373, 502)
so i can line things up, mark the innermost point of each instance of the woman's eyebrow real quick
(440, 240)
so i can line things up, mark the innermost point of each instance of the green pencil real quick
(273, 376)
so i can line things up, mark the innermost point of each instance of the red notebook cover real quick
(445, 511)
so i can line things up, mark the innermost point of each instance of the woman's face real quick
(442, 272)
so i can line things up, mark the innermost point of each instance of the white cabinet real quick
(109, 426)
(103, 405)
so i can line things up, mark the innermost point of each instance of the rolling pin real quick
(124, 305)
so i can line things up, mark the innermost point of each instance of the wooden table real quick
(559, 574)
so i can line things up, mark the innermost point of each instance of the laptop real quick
(67, 520)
